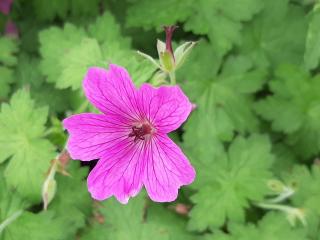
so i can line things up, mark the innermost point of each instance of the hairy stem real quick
(172, 77)
(9, 220)
(274, 206)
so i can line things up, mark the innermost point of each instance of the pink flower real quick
(5, 6)
(130, 137)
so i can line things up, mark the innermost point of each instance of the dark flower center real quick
(141, 131)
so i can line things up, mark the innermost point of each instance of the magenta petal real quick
(112, 92)
(119, 173)
(129, 138)
(166, 107)
(167, 168)
(91, 135)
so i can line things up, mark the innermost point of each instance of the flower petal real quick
(167, 168)
(119, 173)
(112, 91)
(91, 135)
(165, 107)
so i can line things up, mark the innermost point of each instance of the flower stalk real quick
(49, 186)
(293, 214)
(283, 192)
(172, 77)
(9, 220)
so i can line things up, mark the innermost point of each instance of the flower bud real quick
(169, 60)
(49, 186)
(295, 215)
(275, 186)
(182, 209)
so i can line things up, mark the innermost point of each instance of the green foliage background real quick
(255, 134)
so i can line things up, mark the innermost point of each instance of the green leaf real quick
(201, 66)
(81, 8)
(272, 226)
(116, 49)
(28, 76)
(220, 20)
(21, 131)
(285, 158)
(238, 73)
(312, 53)
(49, 10)
(65, 216)
(6, 78)
(62, 8)
(72, 202)
(225, 105)
(237, 177)
(17, 223)
(223, 108)
(294, 108)
(306, 182)
(149, 14)
(8, 47)
(276, 36)
(110, 34)
(203, 131)
(76, 62)
(66, 63)
(139, 69)
(11, 203)
(35, 226)
(28, 72)
(56, 43)
(137, 221)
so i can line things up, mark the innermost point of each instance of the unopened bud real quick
(194, 106)
(166, 57)
(169, 60)
(296, 215)
(182, 209)
(282, 191)
(99, 217)
(169, 32)
(275, 185)
(49, 186)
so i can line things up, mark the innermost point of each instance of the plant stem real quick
(172, 77)
(9, 220)
(288, 192)
(275, 206)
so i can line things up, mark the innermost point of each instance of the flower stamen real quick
(140, 131)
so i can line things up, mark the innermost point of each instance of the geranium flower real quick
(130, 137)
